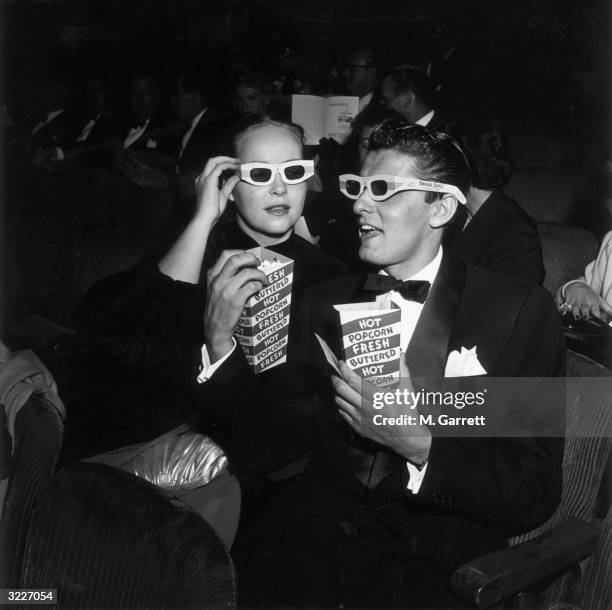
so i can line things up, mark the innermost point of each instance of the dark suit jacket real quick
(106, 127)
(159, 129)
(96, 150)
(203, 142)
(500, 237)
(60, 131)
(474, 488)
(159, 319)
(144, 331)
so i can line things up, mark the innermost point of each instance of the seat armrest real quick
(179, 459)
(492, 577)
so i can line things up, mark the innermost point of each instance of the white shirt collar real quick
(190, 131)
(428, 273)
(426, 118)
(49, 118)
(197, 118)
(365, 100)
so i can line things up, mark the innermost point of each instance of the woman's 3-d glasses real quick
(383, 187)
(262, 174)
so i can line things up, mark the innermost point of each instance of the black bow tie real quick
(411, 290)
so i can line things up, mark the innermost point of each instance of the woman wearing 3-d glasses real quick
(259, 191)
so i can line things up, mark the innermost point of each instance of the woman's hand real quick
(231, 282)
(583, 302)
(212, 199)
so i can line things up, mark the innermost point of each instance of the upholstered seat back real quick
(566, 251)
(547, 195)
(38, 440)
(107, 539)
(587, 448)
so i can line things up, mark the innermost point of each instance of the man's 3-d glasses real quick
(383, 187)
(262, 174)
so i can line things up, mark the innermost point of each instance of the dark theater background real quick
(110, 231)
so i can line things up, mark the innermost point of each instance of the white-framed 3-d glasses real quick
(262, 174)
(382, 187)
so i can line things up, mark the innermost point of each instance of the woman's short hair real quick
(240, 128)
(437, 157)
(484, 143)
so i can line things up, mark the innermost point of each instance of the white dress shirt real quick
(410, 313)
(87, 129)
(49, 118)
(364, 101)
(135, 133)
(82, 137)
(189, 133)
(426, 118)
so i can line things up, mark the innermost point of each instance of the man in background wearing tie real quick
(383, 515)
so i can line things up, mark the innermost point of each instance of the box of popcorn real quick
(371, 340)
(263, 328)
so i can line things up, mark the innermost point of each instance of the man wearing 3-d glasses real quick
(383, 514)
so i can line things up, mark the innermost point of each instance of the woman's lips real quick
(278, 210)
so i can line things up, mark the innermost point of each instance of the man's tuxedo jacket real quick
(204, 141)
(59, 131)
(502, 485)
(500, 237)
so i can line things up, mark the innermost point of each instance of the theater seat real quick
(536, 151)
(38, 439)
(597, 589)
(97, 255)
(566, 251)
(547, 195)
(107, 539)
(543, 566)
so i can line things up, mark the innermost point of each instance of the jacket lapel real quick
(428, 349)
(426, 357)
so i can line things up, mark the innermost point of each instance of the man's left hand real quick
(355, 397)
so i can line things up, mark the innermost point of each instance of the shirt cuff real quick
(208, 369)
(578, 281)
(416, 477)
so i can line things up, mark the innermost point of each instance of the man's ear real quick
(443, 210)
(407, 101)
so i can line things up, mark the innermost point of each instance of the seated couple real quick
(382, 515)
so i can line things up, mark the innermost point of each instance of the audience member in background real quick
(52, 121)
(150, 318)
(496, 233)
(206, 125)
(361, 73)
(251, 92)
(53, 124)
(591, 294)
(330, 216)
(96, 127)
(146, 126)
(254, 93)
(364, 125)
(408, 91)
(135, 190)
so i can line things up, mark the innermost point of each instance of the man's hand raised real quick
(231, 282)
(355, 399)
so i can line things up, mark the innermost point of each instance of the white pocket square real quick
(463, 363)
